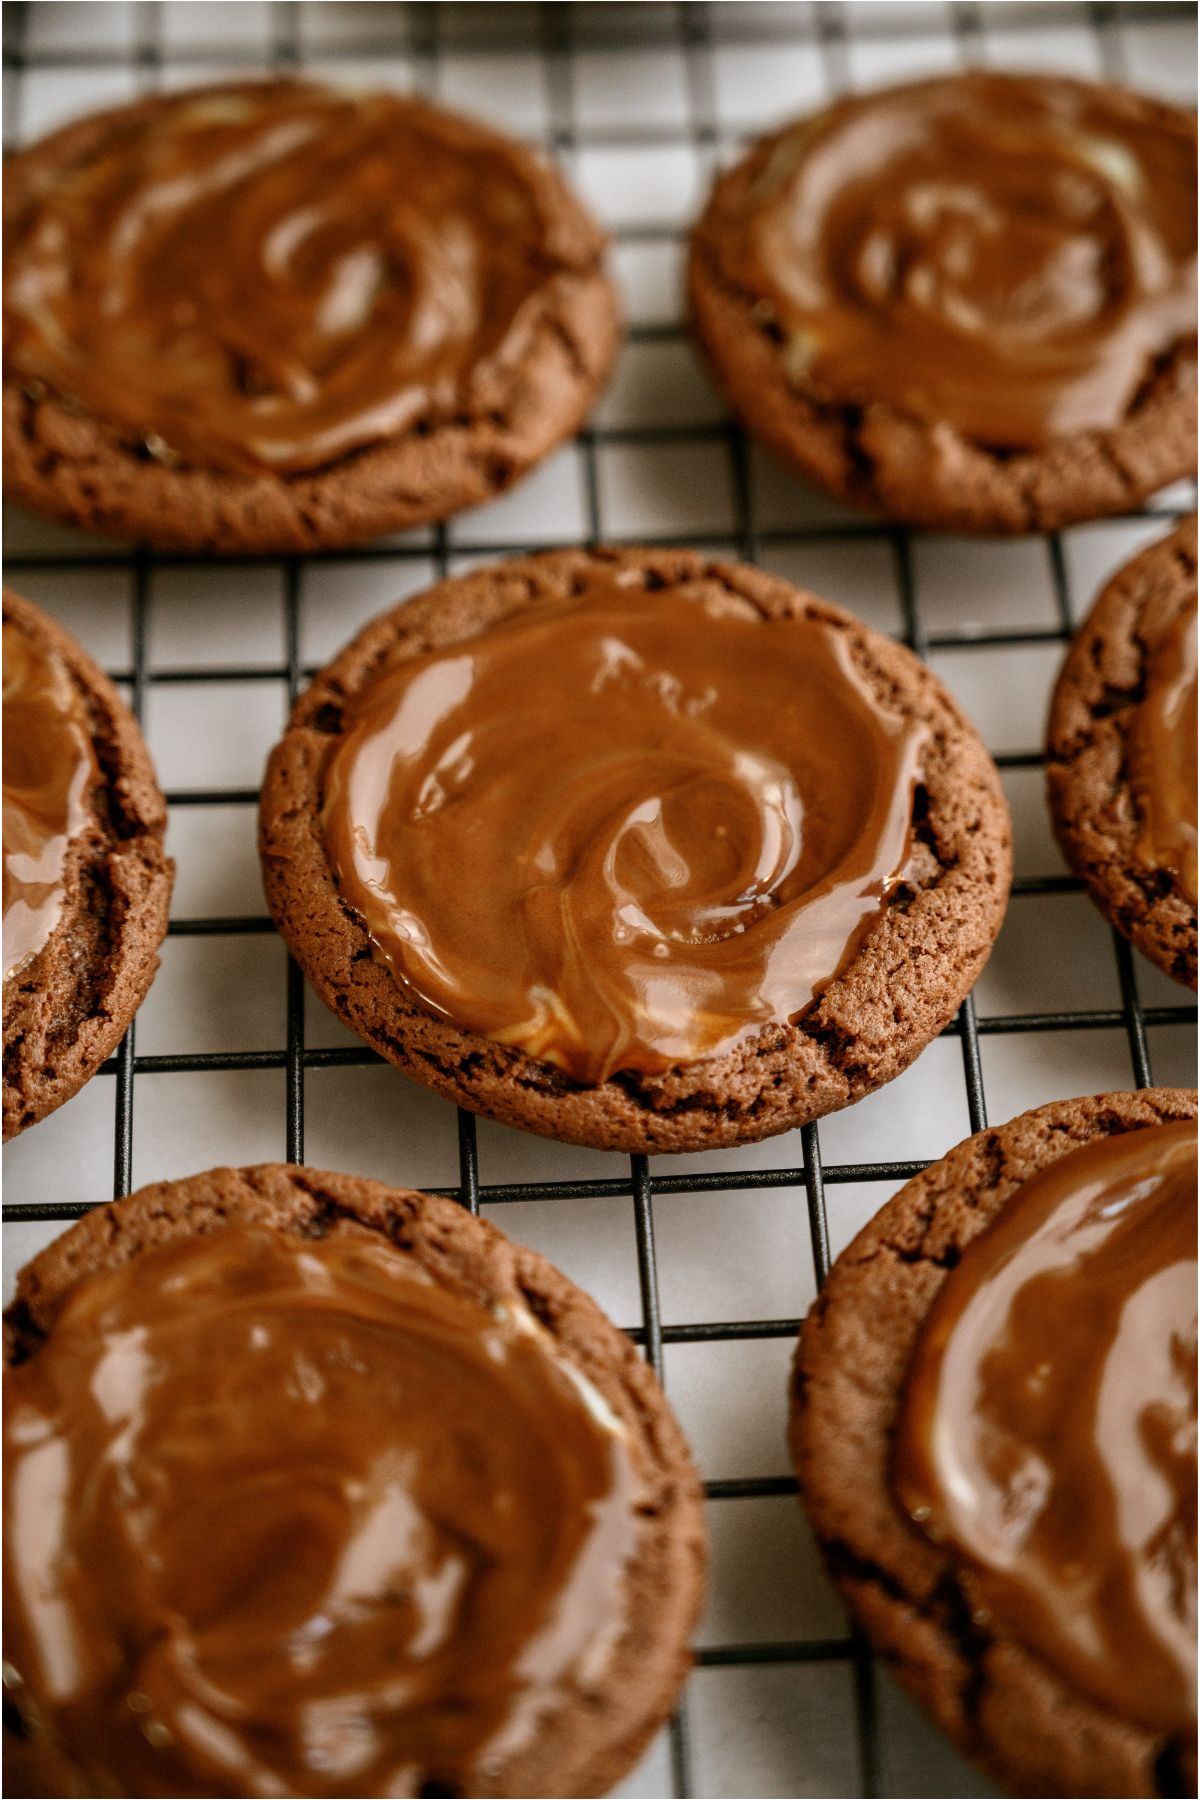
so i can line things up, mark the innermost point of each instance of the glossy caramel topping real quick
(623, 831)
(1005, 254)
(273, 277)
(284, 1517)
(1162, 754)
(1048, 1428)
(48, 766)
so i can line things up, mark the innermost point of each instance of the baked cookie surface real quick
(932, 301)
(1121, 752)
(268, 1250)
(687, 830)
(923, 1603)
(87, 881)
(278, 316)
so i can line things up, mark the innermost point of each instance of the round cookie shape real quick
(922, 1604)
(617, 1694)
(967, 303)
(278, 316)
(70, 998)
(919, 948)
(1106, 755)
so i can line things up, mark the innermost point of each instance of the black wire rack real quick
(423, 34)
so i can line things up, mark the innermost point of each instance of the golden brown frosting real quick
(1005, 254)
(1162, 754)
(1048, 1427)
(49, 764)
(274, 276)
(622, 831)
(286, 1517)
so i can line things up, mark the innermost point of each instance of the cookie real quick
(1121, 752)
(942, 1617)
(278, 317)
(86, 880)
(966, 303)
(485, 1588)
(635, 849)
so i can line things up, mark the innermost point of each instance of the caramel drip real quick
(1162, 754)
(1008, 255)
(623, 831)
(286, 1517)
(272, 277)
(1048, 1428)
(49, 766)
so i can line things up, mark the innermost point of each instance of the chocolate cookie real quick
(388, 1505)
(892, 1375)
(667, 855)
(968, 303)
(86, 880)
(281, 317)
(1121, 752)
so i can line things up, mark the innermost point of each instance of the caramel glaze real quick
(286, 1517)
(1048, 1427)
(49, 765)
(1162, 754)
(1006, 254)
(622, 831)
(273, 277)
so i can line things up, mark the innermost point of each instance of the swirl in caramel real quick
(1005, 255)
(626, 830)
(273, 277)
(49, 766)
(1048, 1427)
(285, 1516)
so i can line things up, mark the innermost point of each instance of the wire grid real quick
(555, 32)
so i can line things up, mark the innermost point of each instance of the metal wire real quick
(558, 31)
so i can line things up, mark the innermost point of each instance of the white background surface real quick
(641, 125)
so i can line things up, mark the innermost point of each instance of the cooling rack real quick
(709, 1261)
